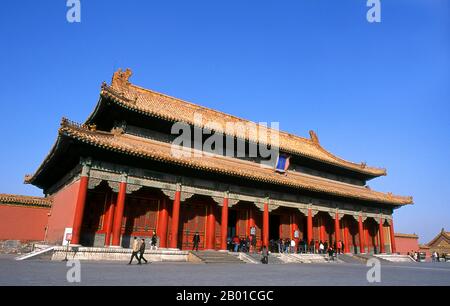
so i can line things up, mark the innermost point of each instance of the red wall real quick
(62, 212)
(406, 244)
(23, 223)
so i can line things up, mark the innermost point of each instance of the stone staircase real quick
(365, 257)
(395, 257)
(309, 258)
(274, 258)
(349, 258)
(214, 257)
(277, 258)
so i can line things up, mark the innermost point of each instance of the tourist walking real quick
(280, 245)
(154, 242)
(196, 241)
(312, 247)
(229, 244)
(253, 243)
(321, 248)
(247, 244)
(293, 246)
(236, 243)
(265, 255)
(287, 245)
(135, 251)
(330, 253)
(339, 246)
(142, 251)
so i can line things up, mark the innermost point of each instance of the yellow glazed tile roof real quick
(163, 106)
(15, 199)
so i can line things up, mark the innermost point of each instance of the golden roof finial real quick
(121, 78)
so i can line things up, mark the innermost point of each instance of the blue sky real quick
(377, 93)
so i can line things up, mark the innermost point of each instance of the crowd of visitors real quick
(287, 246)
(315, 246)
(436, 257)
(242, 244)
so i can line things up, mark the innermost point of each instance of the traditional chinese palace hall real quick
(114, 177)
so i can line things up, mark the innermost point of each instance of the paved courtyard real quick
(39, 272)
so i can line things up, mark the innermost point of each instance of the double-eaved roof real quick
(158, 105)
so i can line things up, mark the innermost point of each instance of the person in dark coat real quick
(248, 244)
(312, 246)
(253, 243)
(331, 253)
(280, 245)
(154, 241)
(141, 252)
(265, 255)
(196, 241)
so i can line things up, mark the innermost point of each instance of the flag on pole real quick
(283, 162)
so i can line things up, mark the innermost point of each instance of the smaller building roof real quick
(401, 235)
(22, 200)
(442, 237)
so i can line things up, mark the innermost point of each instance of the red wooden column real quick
(266, 225)
(361, 235)
(346, 234)
(175, 219)
(110, 219)
(251, 220)
(163, 220)
(381, 233)
(118, 213)
(337, 230)
(81, 203)
(366, 237)
(294, 227)
(309, 225)
(210, 228)
(224, 224)
(391, 231)
(322, 229)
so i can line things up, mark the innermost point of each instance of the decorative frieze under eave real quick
(114, 174)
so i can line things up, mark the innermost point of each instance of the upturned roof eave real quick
(31, 179)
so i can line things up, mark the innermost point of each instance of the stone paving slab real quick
(41, 272)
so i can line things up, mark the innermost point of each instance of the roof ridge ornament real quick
(121, 78)
(314, 137)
